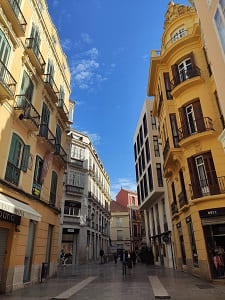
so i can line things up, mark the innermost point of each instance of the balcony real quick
(76, 162)
(184, 80)
(71, 189)
(51, 87)
(7, 83)
(46, 136)
(63, 110)
(174, 208)
(60, 152)
(12, 11)
(174, 39)
(182, 198)
(199, 126)
(210, 186)
(35, 55)
(166, 149)
(27, 113)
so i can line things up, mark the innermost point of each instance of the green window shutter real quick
(53, 188)
(12, 148)
(15, 149)
(25, 158)
(4, 48)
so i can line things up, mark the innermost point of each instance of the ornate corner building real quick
(190, 124)
(35, 112)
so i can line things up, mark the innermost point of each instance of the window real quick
(167, 86)
(132, 200)
(157, 219)
(153, 221)
(75, 179)
(192, 241)
(50, 73)
(37, 179)
(58, 136)
(202, 175)
(140, 165)
(35, 40)
(156, 145)
(138, 194)
(119, 234)
(145, 185)
(164, 215)
(191, 119)
(220, 22)
(53, 190)
(136, 169)
(143, 159)
(4, 51)
(185, 69)
(119, 222)
(147, 150)
(45, 116)
(159, 174)
(27, 87)
(18, 158)
(135, 230)
(135, 151)
(173, 193)
(173, 123)
(61, 97)
(178, 34)
(142, 190)
(150, 179)
(153, 119)
(138, 143)
(77, 152)
(72, 208)
(141, 136)
(145, 125)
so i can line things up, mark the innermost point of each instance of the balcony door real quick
(16, 6)
(36, 40)
(202, 175)
(192, 128)
(4, 49)
(45, 116)
(185, 69)
(50, 73)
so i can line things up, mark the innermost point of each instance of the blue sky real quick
(108, 44)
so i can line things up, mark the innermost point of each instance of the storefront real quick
(213, 223)
(70, 245)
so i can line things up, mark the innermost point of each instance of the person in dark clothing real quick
(102, 256)
(115, 257)
(129, 263)
(134, 257)
(124, 263)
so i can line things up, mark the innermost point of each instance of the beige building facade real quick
(34, 114)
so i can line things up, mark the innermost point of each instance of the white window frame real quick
(178, 34)
(192, 115)
(184, 69)
(204, 186)
(75, 179)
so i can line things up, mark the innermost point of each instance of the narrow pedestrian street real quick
(100, 282)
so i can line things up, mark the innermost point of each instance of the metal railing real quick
(74, 189)
(61, 152)
(7, 79)
(198, 126)
(29, 111)
(72, 211)
(174, 208)
(175, 38)
(47, 134)
(184, 75)
(18, 13)
(166, 148)
(48, 78)
(62, 105)
(32, 44)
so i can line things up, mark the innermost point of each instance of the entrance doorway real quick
(4, 232)
(29, 252)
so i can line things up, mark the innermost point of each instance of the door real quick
(185, 69)
(192, 128)
(49, 246)
(45, 116)
(4, 232)
(26, 92)
(29, 252)
(202, 175)
(4, 56)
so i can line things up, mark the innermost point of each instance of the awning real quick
(18, 208)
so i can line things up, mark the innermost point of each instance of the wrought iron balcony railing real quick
(61, 152)
(184, 75)
(48, 78)
(12, 173)
(32, 44)
(47, 134)
(6, 79)
(74, 189)
(197, 126)
(29, 111)
(62, 107)
(18, 13)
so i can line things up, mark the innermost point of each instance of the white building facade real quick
(151, 187)
(85, 217)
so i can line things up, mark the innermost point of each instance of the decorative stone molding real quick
(175, 11)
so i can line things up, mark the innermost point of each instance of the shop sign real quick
(214, 212)
(36, 190)
(8, 217)
(70, 230)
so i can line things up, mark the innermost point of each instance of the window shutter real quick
(53, 187)
(13, 145)
(198, 116)
(196, 189)
(167, 85)
(211, 174)
(183, 120)
(175, 73)
(25, 158)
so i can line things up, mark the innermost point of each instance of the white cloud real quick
(92, 53)
(125, 183)
(94, 137)
(86, 38)
(66, 44)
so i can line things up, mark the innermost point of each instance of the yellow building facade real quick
(185, 103)
(34, 113)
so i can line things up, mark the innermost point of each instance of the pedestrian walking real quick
(134, 258)
(115, 256)
(102, 256)
(129, 263)
(124, 263)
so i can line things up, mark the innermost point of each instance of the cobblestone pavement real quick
(106, 282)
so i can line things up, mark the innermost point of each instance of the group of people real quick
(128, 260)
(218, 261)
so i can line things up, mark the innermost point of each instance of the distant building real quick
(119, 227)
(151, 187)
(85, 220)
(35, 113)
(129, 199)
